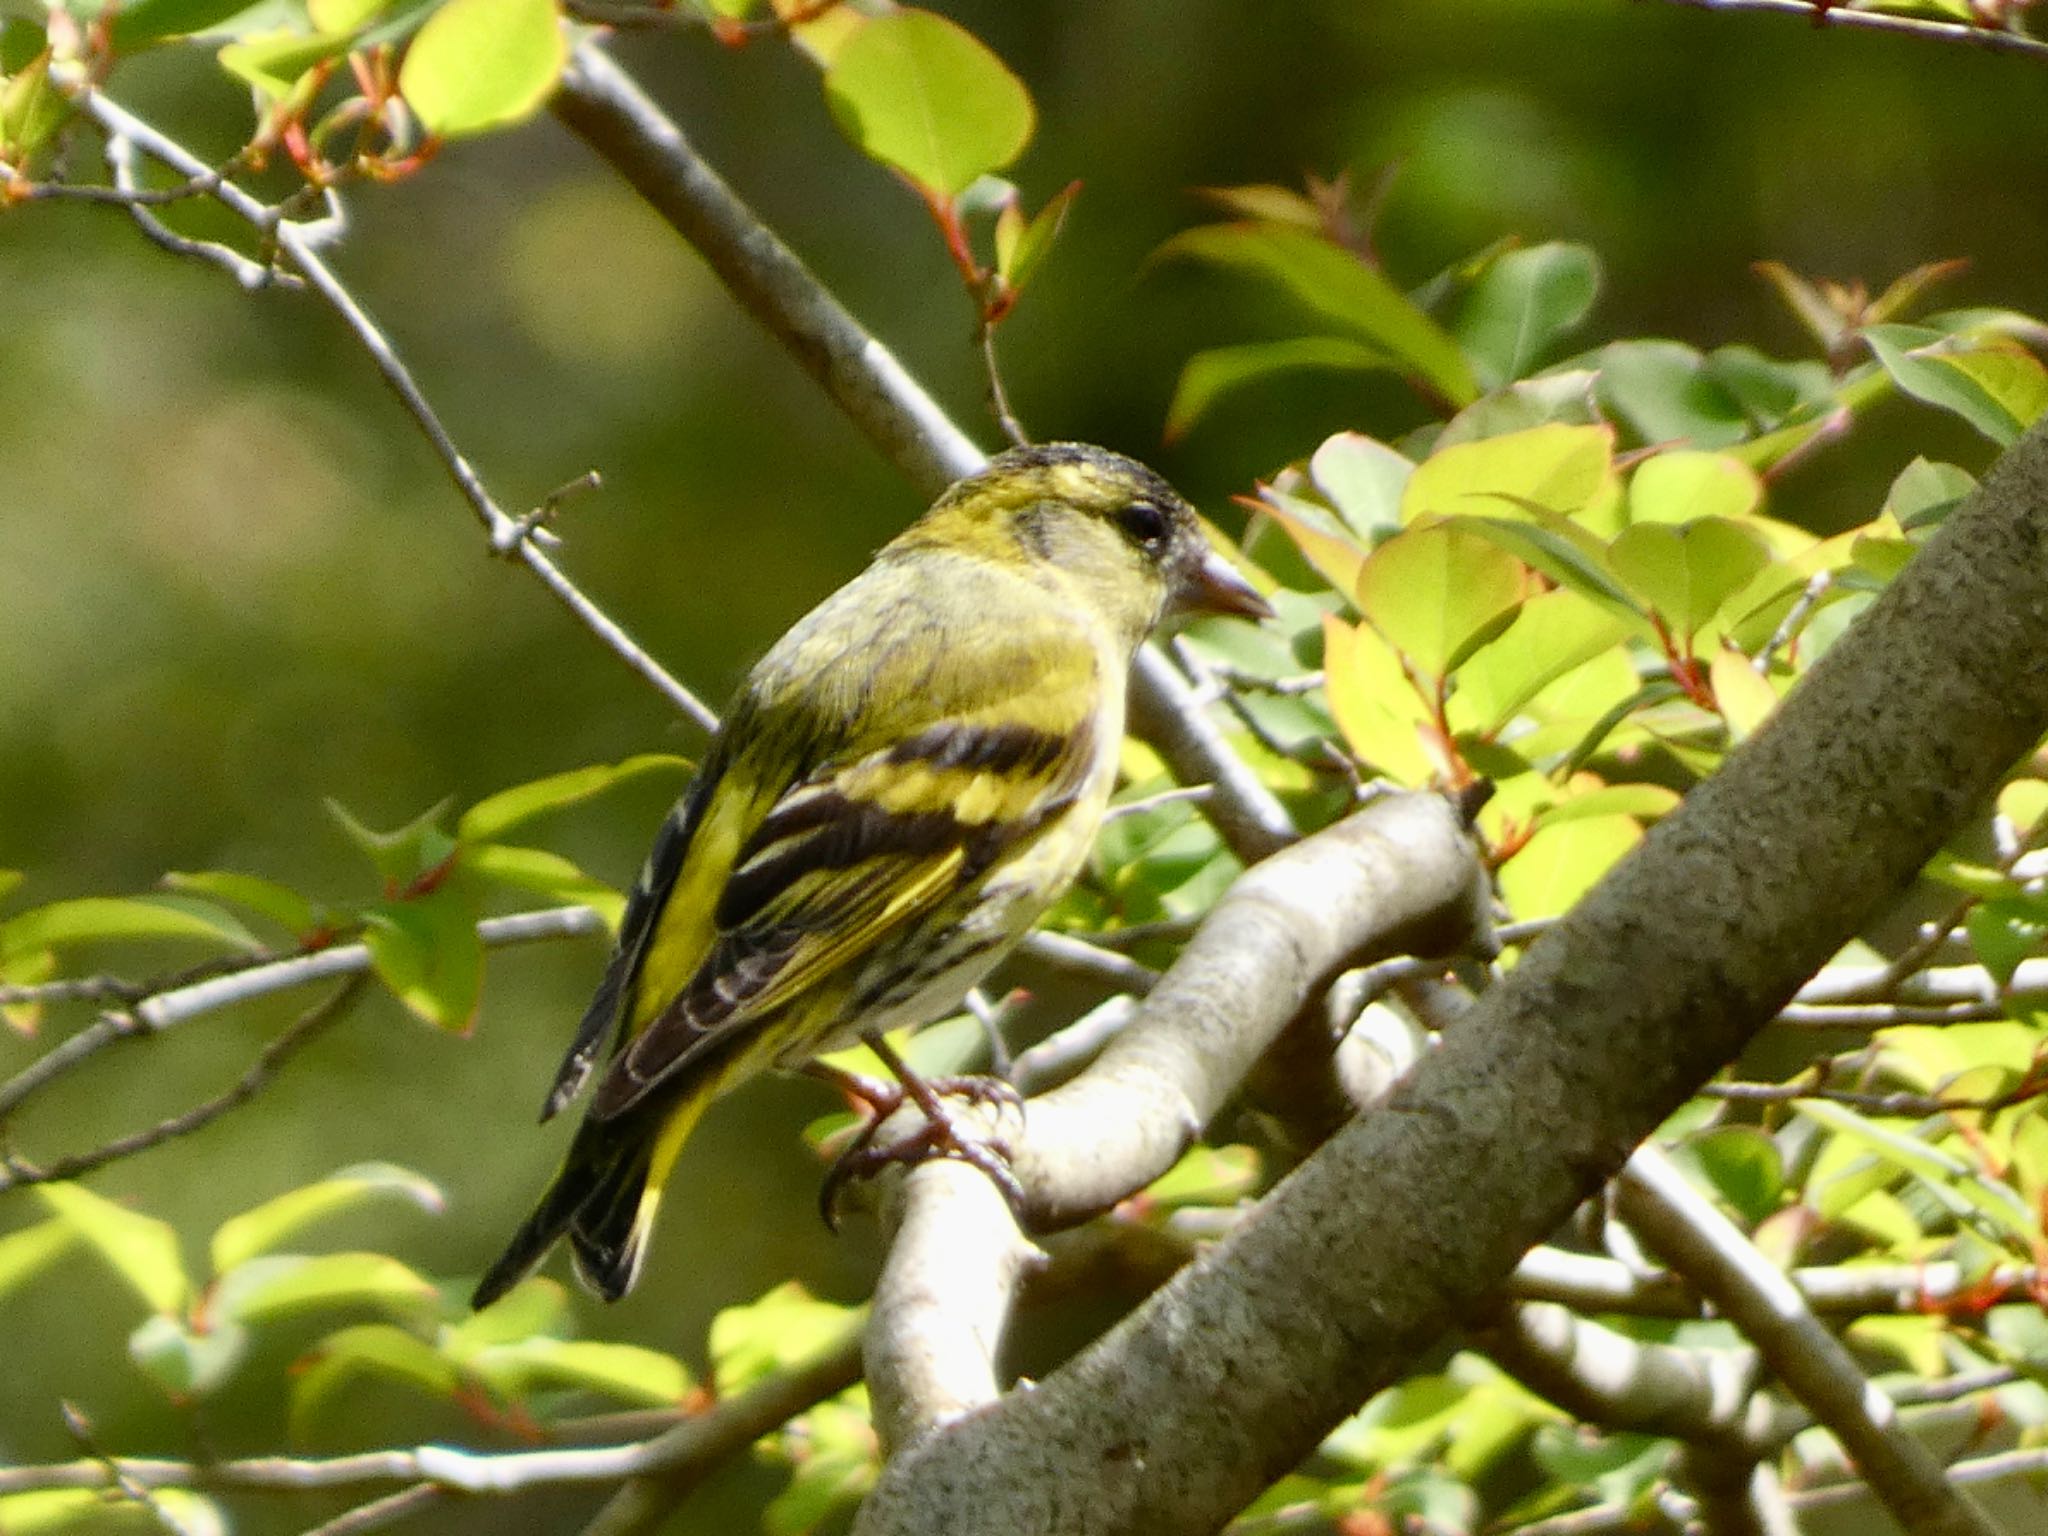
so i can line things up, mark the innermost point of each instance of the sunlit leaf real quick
(1742, 694)
(93, 1512)
(1744, 1166)
(273, 63)
(282, 905)
(1998, 390)
(1553, 633)
(495, 815)
(280, 1284)
(403, 855)
(184, 1361)
(1433, 591)
(1560, 863)
(98, 919)
(1559, 468)
(1687, 573)
(545, 873)
(1335, 284)
(275, 1221)
(1685, 486)
(482, 64)
(26, 1253)
(1924, 492)
(925, 96)
(141, 1249)
(1325, 543)
(31, 109)
(1959, 1187)
(1206, 1176)
(785, 1327)
(1521, 306)
(535, 1305)
(1375, 705)
(1363, 479)
(626, 1372)
(1023, 244)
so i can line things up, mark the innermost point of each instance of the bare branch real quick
(1833, 13)
(314, 1021)
(124, 128)
(378, 1513)
(1815, 1367)
(161, 1011)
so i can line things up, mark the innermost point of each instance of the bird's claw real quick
(942, 1135)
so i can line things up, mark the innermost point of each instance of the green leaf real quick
(838, 1464)
(1023, 244)
(281, 904)
(333, 16)
(280, 1284)
(1744, 1166)
(1520, 307)
(28, 1252)
(264, 1227)
(1687, 573)
(30, 968)
(1435, 590)
(2006, 931)
(535, 1305)
(97, 919)
(1335, 284)
(1206, 1176)
(1560, 551)
(1925, 492)
(273, 63)
(495, 815)
(31, 109)
(1564, 397)
(1998, 390)
(544, 873)
(1561, 862)
(1960, 1188)
(1768, 391)
(1324, 542)
(1554, 633)
(400, 856)
(186, 1363)
(1684, 486)
(1561, 469)
(428, 953)
(1375, 704)
(141, 1249)
(483, 64)
(623, 1371)
(923, 95)
(1363, 479)
(1665, 392)
(376, 1350)
(786, 1327)
(1208, 376)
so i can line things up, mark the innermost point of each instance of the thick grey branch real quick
(1409, 1216)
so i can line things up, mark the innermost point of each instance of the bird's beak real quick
(1213, 586)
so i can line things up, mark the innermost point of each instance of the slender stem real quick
(1835, 14)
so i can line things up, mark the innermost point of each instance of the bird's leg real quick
(942, 1135)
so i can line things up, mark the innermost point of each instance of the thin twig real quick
(81, 1430)
(1836, 14)
(123, 126)
(250, 276)
(1812, 1084)
(162, 1010)
(998, 397)
(15, 1173)
(378, 1513)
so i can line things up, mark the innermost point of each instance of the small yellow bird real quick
(906, 781)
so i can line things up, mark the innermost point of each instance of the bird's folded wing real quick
(844, 859)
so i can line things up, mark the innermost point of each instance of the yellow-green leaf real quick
(925, 96)
(495, 815)
(1685, 485)
(141, 1249)
(263, 1227)
(1432, 591)
(1687, 573)
(1556, 467)
(483, 64)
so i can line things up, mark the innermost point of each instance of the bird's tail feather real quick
(603, 1199)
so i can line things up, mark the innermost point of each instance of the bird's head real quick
(1098, 525)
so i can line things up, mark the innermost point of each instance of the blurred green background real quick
(233, 581)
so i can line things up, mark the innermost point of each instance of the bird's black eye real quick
(1144, 522)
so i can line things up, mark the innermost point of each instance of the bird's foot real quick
(945, 1132)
